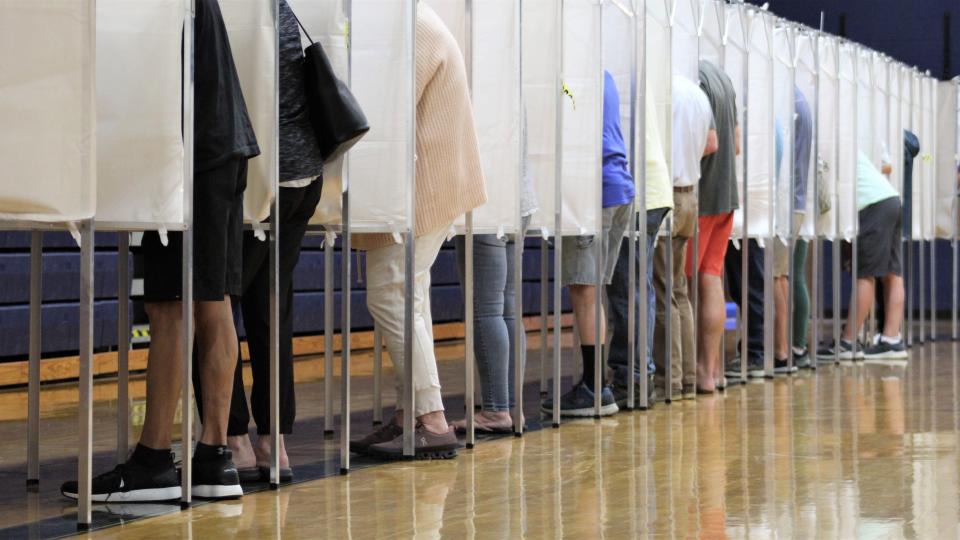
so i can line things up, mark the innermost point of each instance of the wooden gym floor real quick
(856, 450)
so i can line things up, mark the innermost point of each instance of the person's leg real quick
(655, 218)
(164, 373)
(684, 332)
(510, 318)
(583, 298)
(801, 297)
(618, 298)
(491, 333)
(711, 317)
(781, 286)
(893, 319)
(865, 296)
(217, 343)
(661, 349)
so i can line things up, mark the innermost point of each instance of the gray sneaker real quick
(385, 433)
(427, 445)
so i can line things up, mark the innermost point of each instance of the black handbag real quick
(336, 116)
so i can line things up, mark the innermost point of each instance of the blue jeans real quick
(618, 297)
(493, 316)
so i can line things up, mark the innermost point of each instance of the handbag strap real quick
(302, 27)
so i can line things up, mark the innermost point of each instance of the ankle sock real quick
(797, 351)
(589, 375)
(148, 457)
(891, 340)
(206, 452)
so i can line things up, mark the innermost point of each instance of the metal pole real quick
(769, 311)
(377, 376)
(328, 332)
(345, 332)
(956, 229)
(852, 309)
(85, 383)
(469, 300)
(33, 384)
(186, 352)
(640, 240)
(558, 223)
(814, 246)
(544, 314)
(793, 232)
(123, 346)
(409, 267)
(835, 244)
(519, 332)
(632, 226)
(668, 138)
(274, 262)
(745, 238)
(599, 338)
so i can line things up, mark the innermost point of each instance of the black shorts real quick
(878, 244)
(217, 241)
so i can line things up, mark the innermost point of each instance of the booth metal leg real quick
(123, 346)
(953, 289)
(908, 284)
(328, 332)
(641, 275)
(600, 338)
(377, 376)
(408, 393)
(557, 323)
(186, 395)
(85, 383)
(769, 309)
(922, 275)
(933, 290)
(468, 310)
(544, 314)
(33, 384)
(693, 289)
(345, 331)
(837, 311)
(519, 342)
(274, 393)
(791, 280)
(816, 306)
(631, 309)
(744, 302)
(668, 319)
(852, 308)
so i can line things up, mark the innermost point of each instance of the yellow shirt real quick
(659, 188)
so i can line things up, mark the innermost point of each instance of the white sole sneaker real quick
(887, 355)
(209, 491)
(133, 496)
(605, 410)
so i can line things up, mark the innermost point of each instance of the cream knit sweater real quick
(450, 179)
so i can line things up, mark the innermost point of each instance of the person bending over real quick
(717, 200)
(878, 257)
(449, 183)
(223, 142)
(579, 265)
(301, 170)
(694, 137)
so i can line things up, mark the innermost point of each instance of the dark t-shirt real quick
(222, 129)
(300, 156)
(718, 171)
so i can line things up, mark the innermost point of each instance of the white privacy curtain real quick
(948, 143)
(895, 123)
(618, 60)
(759, 134)
(806, 79)
(928, 161)
(783, 113)
(139, 140)
(866, 123)
(327, 23)
(47, 110)
(495, 79)
(712, 25)
(381, 164)
(685, 54)
(582, 117)
(659, 65)
(847, 142)
(736, 36)
(916, 126)
(541, 62)
(253, 40)
(827, 135)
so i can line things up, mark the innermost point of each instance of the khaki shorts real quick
(580, 254)
(781, 251)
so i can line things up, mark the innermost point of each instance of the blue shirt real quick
(618, 187)
(802, 141)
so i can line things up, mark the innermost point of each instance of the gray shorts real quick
(580, 252)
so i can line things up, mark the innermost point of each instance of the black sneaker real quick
(216, 478)
(783, 367)
(131, 482)
(620, 389)
(884, 350)
(754, 369)
(828, 352)
(578, 402)
(802, 360)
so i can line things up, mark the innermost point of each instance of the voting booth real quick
(806, 78)
(948, 153)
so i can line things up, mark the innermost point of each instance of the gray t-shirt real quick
(718, 171)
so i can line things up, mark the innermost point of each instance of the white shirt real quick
(692, 122)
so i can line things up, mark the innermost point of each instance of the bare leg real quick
(584, 300)
(217, 341)
(242, 449)
(866, 290)
(712, 315)
(164, 373)
(893, 304)
(782, 318)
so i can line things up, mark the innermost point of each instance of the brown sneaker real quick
(385, 433)
(427, 445)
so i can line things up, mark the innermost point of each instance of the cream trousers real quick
(385, 285)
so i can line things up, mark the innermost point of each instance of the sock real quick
(206, 452)
(148, 457)
(891, 340)
(798, 351)
(589, 376)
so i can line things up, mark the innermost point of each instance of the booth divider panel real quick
(827, 142)
(847, 163)
(806, 72)
(47, 111)
(783, 113)
(947, 140)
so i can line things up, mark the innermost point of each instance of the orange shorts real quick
(714, 236)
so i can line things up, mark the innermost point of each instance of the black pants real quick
(733, 267)
(297, 206)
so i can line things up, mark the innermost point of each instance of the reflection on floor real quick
(865, 450)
